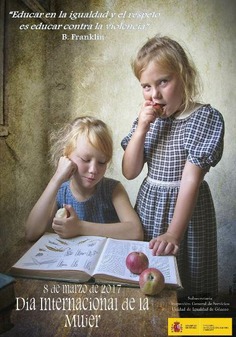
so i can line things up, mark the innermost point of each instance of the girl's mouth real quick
(90, 178)
(159, 108)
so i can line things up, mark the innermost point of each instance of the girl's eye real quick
(146, 87)
(163, 82)
(84, 160)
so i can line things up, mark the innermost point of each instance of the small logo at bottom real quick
(176, 327)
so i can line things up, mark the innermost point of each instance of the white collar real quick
(188, 112)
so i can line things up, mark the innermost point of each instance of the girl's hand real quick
(65, 169)
(165, 244)
(147, 115)
(67, 227)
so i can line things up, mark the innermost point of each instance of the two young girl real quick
(96, 205)
(179, 139)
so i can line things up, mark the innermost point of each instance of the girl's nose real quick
(93, 168)
(156, 93)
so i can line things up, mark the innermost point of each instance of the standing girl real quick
(179, 139)
(95, 205)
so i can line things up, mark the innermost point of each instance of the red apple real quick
(151, 281)
(136, 262)
(61, 213)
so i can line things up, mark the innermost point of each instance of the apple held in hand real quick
(61, 213)
(151, 281)
(158, 108)
(136, 262)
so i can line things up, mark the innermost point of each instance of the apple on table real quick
(151, 281)
(137, 262)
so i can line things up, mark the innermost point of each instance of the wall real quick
(51, 80)
(23, 165)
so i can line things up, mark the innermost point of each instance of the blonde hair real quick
(64, 140)
(170, 56)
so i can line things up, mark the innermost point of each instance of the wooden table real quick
(45, 308)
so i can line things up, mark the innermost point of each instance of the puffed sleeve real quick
(204, 137)
(126, 140)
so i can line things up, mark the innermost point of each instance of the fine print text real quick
(202, 305)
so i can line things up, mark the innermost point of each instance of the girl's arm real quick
(40, 217)
(168, 243)
(133, 159)
(129, 226)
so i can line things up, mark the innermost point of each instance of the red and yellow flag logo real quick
(200, 326)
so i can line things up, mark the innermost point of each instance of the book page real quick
(51, 252)
(112, 261)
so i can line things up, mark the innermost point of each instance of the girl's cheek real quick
(103, 170)
(146, 95)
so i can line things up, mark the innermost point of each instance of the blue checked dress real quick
(170, 142)
(98, 208)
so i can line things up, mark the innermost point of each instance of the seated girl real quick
(95, 205)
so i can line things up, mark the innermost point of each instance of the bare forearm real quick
(133, 158)
(120, 230)
(42, 212)
(186, 201)
(183, 212)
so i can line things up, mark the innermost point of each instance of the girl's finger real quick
(155, 247)
(151, 243)
(176, 249)
(160, 247)
(169, 248)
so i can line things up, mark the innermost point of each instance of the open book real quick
(87, 258)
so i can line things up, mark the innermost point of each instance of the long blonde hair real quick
(171, 57)
(64, 140)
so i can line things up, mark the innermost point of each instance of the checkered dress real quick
(169, 143)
